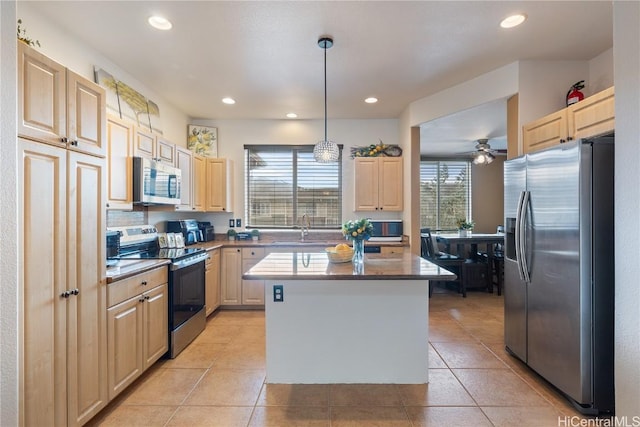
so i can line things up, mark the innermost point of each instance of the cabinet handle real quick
(141, 299)
(64, 139)
(143, 283)
(147, 297)
(65, 294)
(569, 138)
(74, 143)
(562, 141)
(75, 291)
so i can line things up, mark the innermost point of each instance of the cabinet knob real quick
(74, 143)
(141, 299)
(147, 297)
(64, 139)
(569, 138)
(143, 283)
(562, 141)
(65, 294)
(75, 291)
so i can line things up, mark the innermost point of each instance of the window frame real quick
(469, 192)
(293, 150)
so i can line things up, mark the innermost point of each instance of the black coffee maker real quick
(188, 228)
(206, 231)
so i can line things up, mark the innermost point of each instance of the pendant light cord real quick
(325, 91)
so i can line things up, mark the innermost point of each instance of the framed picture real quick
(171, 240)
(203, 140)
(162, 240)
(179, 240)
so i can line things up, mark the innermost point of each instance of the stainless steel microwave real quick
(155, 183)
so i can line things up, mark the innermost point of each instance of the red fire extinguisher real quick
(574, 95)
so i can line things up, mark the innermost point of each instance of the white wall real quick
(626, 53)
(71, 52)
(600, 73)
(8, 219)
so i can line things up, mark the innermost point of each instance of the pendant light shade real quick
(325, 151)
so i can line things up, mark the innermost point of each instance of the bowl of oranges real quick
(339, 253)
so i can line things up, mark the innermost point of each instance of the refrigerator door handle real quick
(517, 236)
(522, 237)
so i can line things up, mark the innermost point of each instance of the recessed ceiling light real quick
(229, 101)
(292, 115)
(160, 23)
(371, 100)
(513, 21)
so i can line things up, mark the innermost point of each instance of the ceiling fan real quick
(484, 154)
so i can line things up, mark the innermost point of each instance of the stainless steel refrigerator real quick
(559, 268)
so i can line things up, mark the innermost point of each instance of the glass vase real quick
(358, 251)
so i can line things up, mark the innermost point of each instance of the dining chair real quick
(451, 262)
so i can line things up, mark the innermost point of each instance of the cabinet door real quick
(184, 163)
(86, 115)
(155, 325)
(546, 132)
(219, 189)
(41, 97)
(124, 332)
(230, 276)
(390, 183)
(86, 320)
(165, 151)
(366, 176)
(212, 281)
(119, 164)
(144, 144)
(592, 116)
(199, 185)
(42, 181)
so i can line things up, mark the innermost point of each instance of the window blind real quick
(285, 182)
(445, 193)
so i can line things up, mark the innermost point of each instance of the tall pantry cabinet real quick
(62, 325)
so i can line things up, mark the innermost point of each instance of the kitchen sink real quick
(299, 243)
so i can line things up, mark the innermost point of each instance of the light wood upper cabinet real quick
(165, 151)
(219, 188)
(119, 164)
(57, 106)
(144, 144)
(199, 185)
(592, 116)
(63, 324)
(380, 184)
(184, 162)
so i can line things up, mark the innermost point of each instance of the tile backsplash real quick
(123, 218)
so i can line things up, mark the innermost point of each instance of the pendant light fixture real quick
(325, 151)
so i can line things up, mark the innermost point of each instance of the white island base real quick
(348, 331)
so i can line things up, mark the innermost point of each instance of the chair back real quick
(426, 244)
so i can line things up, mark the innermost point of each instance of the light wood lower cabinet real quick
(63, 345)
(231, 276)
(137, 326)
(252, 290)
(212, 281)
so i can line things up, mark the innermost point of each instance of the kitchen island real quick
(326, 323)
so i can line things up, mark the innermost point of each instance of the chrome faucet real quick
(304, 226)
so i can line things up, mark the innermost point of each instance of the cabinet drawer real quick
(252, 253)
(128, 288)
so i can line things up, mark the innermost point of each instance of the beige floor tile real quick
(211, 416)
(448, 332)
(467, 355)
(441, 416)
(294, 395)
(294, 416)
(524, 416)
(238, 317)
(196, 355)
(227, 387)
(164, 387)
(369, 416)
(134, 416)
(498, 387)
(443, 389)
(249, 357)
(364, 395)
(217, 333)
(435, 361)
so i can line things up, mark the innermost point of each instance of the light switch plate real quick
(232, 223)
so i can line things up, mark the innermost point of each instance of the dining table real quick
(473, 240)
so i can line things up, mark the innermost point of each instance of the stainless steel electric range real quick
(186, 281)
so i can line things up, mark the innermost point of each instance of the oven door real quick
(186, 294)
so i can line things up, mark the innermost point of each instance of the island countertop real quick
(316, 266)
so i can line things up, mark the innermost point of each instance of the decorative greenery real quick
(463, 224)
(255, 232)
(22, 36)
(231, 232)
(360, 229)
(375, 150)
